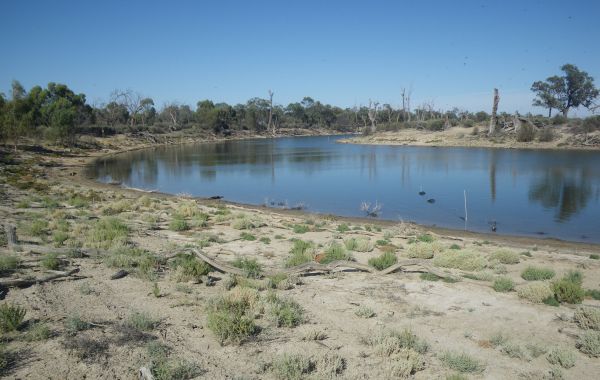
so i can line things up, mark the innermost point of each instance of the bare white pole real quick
(466, 214)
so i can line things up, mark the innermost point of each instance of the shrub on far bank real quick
(526, 133)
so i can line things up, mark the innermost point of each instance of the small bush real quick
(594, 256)
(593, 293)
(462, 362)
(330, 365)
(285, 312)
(383, 261)
(503, 284)
(463, 259)
(141, 321)
(301, 252)
(455, 246)
(265, 240)
(589, 343)
(405, 363)
(390, 342)
(551, 301)
(300, 228)
(532, 273)
(38, 331)
(535, 292)
(11, 317)
(425, 238)
(526, 133)
(251, 267)
(364, 312)
(424, 250)
(74, 324)
(498, 339)
(107, 233)
(9, 263)
(335, 252)
(230, 317)
(587, 317)
(359, 244)
(188, 268)
(574, 276)
(165, 368)
(51, 261)
(561, 356)
(568, 291)
(292, 366)
(178, 223)
(505, 257)
(343, 228)
(514, 351)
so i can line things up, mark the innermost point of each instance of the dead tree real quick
(406, 104)
(270, 125)
(372, 113)
(494, 118)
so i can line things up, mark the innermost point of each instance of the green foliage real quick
(8, 263)
(141, 321)
(383, 261)
(461, 362)
(463, 259)
(11, 317)
(265, 240)
(230, 316)
(532, 273)
(74, 324)
(51, 261)
(164, 367)
(189, 268)
(593, 293)
(568, 289)
(292, 366)
(589, 343)
(247, 236)
(551, 301)
(285, 312)
(594, 256)
(358, 244)
(503, 284)
(300, 228)
(59, 238)
(251, 267)
(178, 223)
(390, 342)
(335, 252)
(38, 331)
(455, 246)
(343, 228)
(425, 238)
(424, 250)
(505, 257)
(106, 233)
(561, 356)
(301, 252)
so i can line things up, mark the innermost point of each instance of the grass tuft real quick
(301, 252)
(532, 273)
(462, 362)
(463, 260)
(503, 284)
(505, 256)
(335, 252)
(11, 317)
(251, 267)
(292, 366)
(383, 261)
(587, 317)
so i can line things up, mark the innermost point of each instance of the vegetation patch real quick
(561, 356)
(424, 250)
(383, 261)
(532, 273)
(589, 343)
(251, 267)
(106, 233)
(505, 256)
(301, 252)
(503, 284)
(11, 317)
(51, 261)
(231, 316)
(189, 268)
(535, 292)
(285, 312)
(587, 317)
(164, 367)
(359, 244)
(464, 260)
(292, 366)
(8, 263)
(300, 228)
(390, 342)
(568, 289)
(141, 321)
(462, 362)
(178, 223)
(364, 312)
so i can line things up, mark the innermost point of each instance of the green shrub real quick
(532, 273)
(358, 244)
(247, 236)
(11, 317)
(526, 133)
(343, 228)
(383, 261)
(594, 256)
(505, 257)
(189, 268)
(462, 362)
(335, 252)
(503, 284)
(568, 291)
(8, 263)
(285, 312)
(37, 227)
(514, 351)
(425, 238)
(141, 321)
(464, 259)
(561, 356)
(455, 246)
(251, 267)
(589, 343)
(424, 250)
(364, 312)
(300, 228)
(265, 240)
(38, 331)
(593, 293)
(575, 277)
(390, 342)
(587, 317)
(551, 301)
(178, 223)
(292, 366)
(106, 233)
(230, 316)
(301, 252)
(535, 292)
(51, 261)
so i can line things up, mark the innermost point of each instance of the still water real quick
(548, 193)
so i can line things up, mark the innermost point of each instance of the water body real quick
(548, 193)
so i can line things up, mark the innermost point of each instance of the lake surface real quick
(548, 193)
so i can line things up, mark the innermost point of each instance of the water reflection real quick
(525, 191)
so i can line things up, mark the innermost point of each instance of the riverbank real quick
(465, 137)
(454, 293)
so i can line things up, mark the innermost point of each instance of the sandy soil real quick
(450, 316)
(464, 137)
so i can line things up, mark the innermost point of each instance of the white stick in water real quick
(466, 214)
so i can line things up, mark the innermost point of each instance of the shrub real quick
(107, 233)
(74, 324)
(335, 252)
(383, 261)
(532, 273)
(546, 134)
(301, 252)
(535, 292)
(9, 263)
(462, 362)
(390, 342)
(593, 293)
(164, 368)
(589, 343)
(300, 228)
(37, 227)
(505, 257)
(568, 291)
(405, 363)
(265, 240)
(189, 268)
(330, 365)
(551, 301)
(455, 246)
(292, 366)
(51, 261)
(498, 339)
(285, 312)
(230, 316)
(575, 277)
(11, 317)
(561, 356)
(38, 331)
(526, 133)
(178, 223)
(251, 267)
(514, 351)
(343, 228)
(463, 259)
(364, 312)
(359, 244)
(247, 236)
(480, 276)
(141, 321)
(424, 250)
(425, 238)
(594, 256)
(587, 317)
(503, 284)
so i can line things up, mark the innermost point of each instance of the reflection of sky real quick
(524, 191)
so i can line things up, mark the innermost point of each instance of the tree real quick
(574, 89)
(134, 102)
(493, 119)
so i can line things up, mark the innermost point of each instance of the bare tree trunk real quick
(372, 113)
(11, 236)
(494, 118)
(269, 126)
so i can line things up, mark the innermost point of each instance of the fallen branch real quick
(24, 283)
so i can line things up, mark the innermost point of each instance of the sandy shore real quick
(342, 324)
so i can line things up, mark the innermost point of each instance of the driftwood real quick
(145, 374)
(24, 283)
(119, 274)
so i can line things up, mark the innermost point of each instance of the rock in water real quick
(431, 200)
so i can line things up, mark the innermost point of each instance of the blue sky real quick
(340, 52)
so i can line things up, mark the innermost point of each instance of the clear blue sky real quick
(340, 52)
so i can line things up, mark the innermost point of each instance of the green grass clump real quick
(589, 343)
(462, 362)
(335, 252)
(74, 324)
(568, 291)
(78, 202)
(251, 267)
(247, 236)
(59, 238)
(230, 317)
(464, 260)
(11, 317)
(593, 293)
(503, 284)
(51, 261)
(178, 223)
(359, 244)
(364, 312)
(300, 228)
(383, 261)
(265, 240)
(143, 262)
(595, 256)
(301, 252)
(532, 273)
(188, 268)
(425, 238)
(37, 227)
(390, 342)
(8, 263)
(551, 301)
(292, 366)
(587, 317)
(163, 367)
(200, 220)
(561, 356)
(106, 233)
(424, 250)
(535, 292)
(38, 331)
(244, 223)
(343, 228)
(285, 312)
(455, 246)
(505, 256)
(141, 321)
